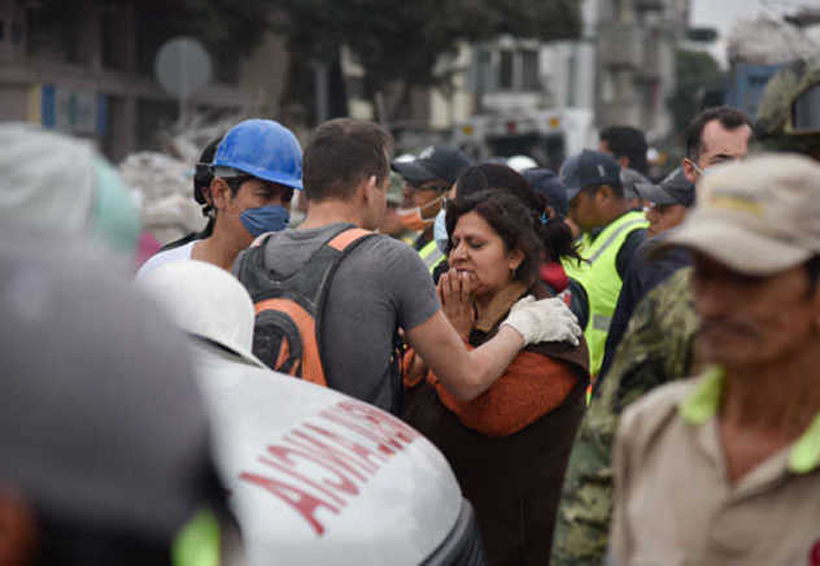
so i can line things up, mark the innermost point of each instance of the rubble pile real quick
(164, 190)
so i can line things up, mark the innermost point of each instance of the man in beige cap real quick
(725, 468)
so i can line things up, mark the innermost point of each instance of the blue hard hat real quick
(264, 149)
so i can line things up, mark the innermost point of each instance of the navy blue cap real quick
(436, 162)
(590, 168)
(546, 182)
(674, 189)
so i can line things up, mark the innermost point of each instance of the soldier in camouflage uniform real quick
(658, 346)
(582, 527)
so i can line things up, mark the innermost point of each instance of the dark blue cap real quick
(590, 169)
(436, 162)
(546, 182)
(674, 189)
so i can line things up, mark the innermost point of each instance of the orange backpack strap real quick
(347, 237)
(289, 310)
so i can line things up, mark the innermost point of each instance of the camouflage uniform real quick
(656, 348)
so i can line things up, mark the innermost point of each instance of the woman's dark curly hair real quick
(555, 236)
(511, 220)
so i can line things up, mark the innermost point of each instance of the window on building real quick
(529, 70)
(355, 87)
(51, 33)
(505, 70)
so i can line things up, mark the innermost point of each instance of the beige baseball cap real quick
(759, 216)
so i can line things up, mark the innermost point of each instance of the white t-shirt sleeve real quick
(181, 253)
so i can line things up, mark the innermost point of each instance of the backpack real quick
(287, 332)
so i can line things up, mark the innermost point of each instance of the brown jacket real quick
(513, 481)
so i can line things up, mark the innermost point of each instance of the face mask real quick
(271, 218)
(415, 219)
(411, 219)
(440, 231)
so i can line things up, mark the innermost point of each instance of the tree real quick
(400, 42)
(698, 75)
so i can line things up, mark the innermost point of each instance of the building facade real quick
(88, 69)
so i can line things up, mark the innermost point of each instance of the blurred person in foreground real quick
(256, 167)
(725, 468)
(610, 234)
(217, 315)
(650, 344)
(427, 179)
(103, 432)
(508, 446)
(52, 183)
(381, 285)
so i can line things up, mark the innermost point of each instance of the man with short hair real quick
(382, 285)
(610, 234)
(427, 179)
(256, 168)
(627, 145)
(742, 437)
(716, 135)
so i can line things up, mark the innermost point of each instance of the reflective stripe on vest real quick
(600, 279)
(431, 255)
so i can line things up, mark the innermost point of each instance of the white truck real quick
(548, 136)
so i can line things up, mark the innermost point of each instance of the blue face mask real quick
(271, 218)
(440, 231)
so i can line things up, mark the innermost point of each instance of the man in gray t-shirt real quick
(383, 285)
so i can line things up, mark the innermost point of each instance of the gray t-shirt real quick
(381, 286)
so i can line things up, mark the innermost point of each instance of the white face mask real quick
(440, 231)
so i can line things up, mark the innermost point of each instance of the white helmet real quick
(521, 163)
(206, 301)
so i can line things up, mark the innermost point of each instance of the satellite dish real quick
(182, 66)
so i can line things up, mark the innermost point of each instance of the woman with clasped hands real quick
(509, 446)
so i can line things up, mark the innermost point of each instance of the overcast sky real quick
(723, 14)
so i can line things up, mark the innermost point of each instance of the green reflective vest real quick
(431, 255)
(599, 277)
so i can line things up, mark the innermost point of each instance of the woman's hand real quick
(455, 291)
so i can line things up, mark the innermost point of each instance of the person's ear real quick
(371, 186)
(515, 258)
(220, 193)
(604, 194)
(689, 170)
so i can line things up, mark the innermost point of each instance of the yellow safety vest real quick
(599, 277)
(431, 255)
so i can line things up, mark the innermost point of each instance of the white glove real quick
(547, 320)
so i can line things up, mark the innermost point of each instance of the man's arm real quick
(466, 373)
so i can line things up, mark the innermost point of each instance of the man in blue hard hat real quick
(256, 168)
